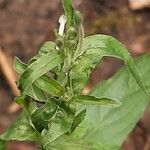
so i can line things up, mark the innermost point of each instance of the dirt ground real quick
(26, 24)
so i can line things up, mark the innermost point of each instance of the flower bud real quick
(72, 44)
(71, 33)
(59, 42)
(78, 18)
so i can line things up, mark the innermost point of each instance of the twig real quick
(10, 77)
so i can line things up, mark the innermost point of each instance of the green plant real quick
(56, 115)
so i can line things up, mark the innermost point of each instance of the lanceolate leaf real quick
(33, 91)
(77, 120)
(44, 83)
(93, 49)
(91, 100)
(36, 93)
(38, 68)
(49, 85)
(110, 126)
(67, 4)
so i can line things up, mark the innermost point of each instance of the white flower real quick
(62, 20)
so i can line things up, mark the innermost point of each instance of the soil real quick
(26, 24)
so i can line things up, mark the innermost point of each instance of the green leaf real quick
(32, 91)
(93, 49)
(20, 100)
(110, 126)
(44, 83)
(47, 47)
(20, 130)
(3, 145)
(91, 100)
(36, 93)
(77, 120)
(67, 5)
(65, 142)
(19, 66)
(60, 124)
(49, 85)
(38, 68)
(54, 131)
(42, 116)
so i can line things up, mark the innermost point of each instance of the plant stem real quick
(68, 8)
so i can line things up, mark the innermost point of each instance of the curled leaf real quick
(38, 68)
(61, 123)
(77, 120)
(44, 83)
(42, 116)
(94, 48)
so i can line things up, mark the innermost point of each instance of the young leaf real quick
(91, 100)
(20, 130)
(36, 93)
(77, 120)
(20, 100)
(60, 124)
(103, 124)
(49, 85)
(38, 68)
(42, 116)
(19, 66)
(54, 131)
(93, 49)
(32, 91)
(44, 83)
(67, 5)
(47, 47)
